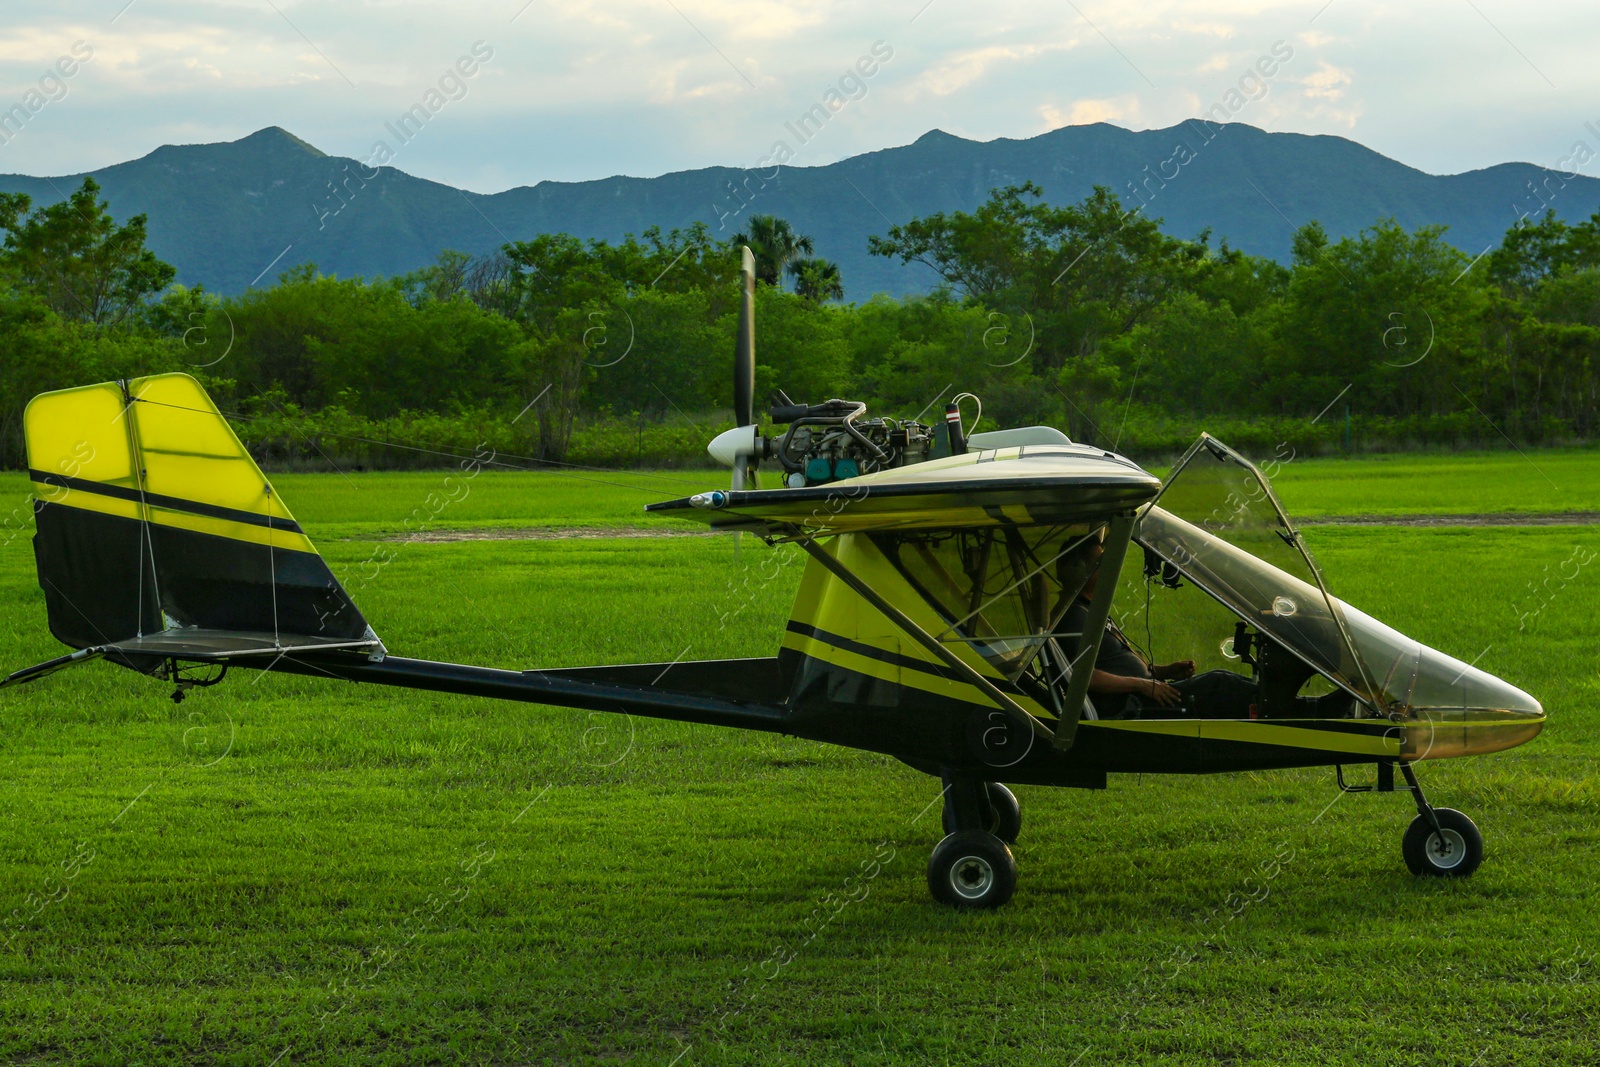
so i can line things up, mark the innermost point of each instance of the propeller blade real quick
(744, 352)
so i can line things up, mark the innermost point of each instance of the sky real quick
(577, 90)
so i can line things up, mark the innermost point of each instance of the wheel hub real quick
(1446, 848)
(971, 877)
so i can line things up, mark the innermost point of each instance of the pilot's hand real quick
(1162, 693)
(1184, 668)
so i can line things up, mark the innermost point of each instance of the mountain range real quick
(238, 213)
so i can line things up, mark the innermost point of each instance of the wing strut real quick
(1117, 537)
(1015, 711)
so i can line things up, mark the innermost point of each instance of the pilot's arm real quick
(1150, 688)
(1107, 683)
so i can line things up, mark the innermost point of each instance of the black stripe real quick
(172, 503)
(881, 655)
(906, 662)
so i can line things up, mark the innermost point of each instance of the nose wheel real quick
(1440, 842)
(1446, 846)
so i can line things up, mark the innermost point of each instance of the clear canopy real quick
(1350, 647)
(1219, 522)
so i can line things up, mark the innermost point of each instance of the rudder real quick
(152, 517)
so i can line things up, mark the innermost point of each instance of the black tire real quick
(1454, 855)
(972, 869)
(1005, 814)
(1008, 822)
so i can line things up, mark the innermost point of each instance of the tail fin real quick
(153, 521)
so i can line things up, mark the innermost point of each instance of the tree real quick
(1077, 273)
(817, 279)
(364, 346)
(41, 351)
(1388, 313)
(1544, 324)
(77, 260)
(775, 246)
(446, 278)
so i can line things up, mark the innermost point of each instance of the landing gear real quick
(1440, 842)
(973, 867)
(1001, 816)
(1452, 849)
(1008, 813)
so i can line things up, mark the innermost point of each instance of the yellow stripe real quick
(950, 689)
(204, 524)
(888, 672)
(236, 531)
(1168, 727)
(1257, 732)
(105, 505)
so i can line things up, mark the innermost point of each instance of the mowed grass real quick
(302, 871)
(1519, 482)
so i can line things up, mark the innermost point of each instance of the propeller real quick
(741, 447)
(744, 349)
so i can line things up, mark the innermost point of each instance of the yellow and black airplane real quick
(940, 618)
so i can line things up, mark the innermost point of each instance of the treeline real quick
(1085, 316)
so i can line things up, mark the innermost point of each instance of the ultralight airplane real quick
(939, 618)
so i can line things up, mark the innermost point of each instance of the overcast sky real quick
(587, 89)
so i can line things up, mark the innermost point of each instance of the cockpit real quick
(1225, 581)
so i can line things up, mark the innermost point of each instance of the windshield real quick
(1000, 590)
(1347, 645)
(1221, 495)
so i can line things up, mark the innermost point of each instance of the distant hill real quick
(222, 213)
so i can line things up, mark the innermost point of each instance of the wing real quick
(1019, 486)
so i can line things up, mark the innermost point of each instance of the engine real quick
(827, 442)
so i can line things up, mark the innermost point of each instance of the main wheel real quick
(972, 869)
(1452, 851)
(1008, 822)
(1005, 814)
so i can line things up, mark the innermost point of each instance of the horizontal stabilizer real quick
(197, 644)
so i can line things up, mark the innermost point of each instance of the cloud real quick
(1206, 29)
(1327, 81)
(586, 88)
(1084, 112)
(666, 86)
(968, 67)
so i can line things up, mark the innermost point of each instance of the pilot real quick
(1126, 685)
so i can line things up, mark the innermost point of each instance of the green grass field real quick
(393, 503)
(286, 870)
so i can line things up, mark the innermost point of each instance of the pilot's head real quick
(1079, 568)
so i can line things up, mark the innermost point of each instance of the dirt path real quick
(546, 533)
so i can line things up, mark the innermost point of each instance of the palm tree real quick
(817, 279)
(775, 245)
